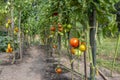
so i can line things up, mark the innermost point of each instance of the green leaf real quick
(79, 1)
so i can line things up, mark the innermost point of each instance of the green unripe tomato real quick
(26, 31)
(64, 25)
(78, 53)
(7, 25)
(69, 26)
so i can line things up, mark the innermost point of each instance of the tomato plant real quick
(33, 17)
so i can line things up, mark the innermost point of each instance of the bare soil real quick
(36, 65)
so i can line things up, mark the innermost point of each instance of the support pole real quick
(85, 66)
(92, 24)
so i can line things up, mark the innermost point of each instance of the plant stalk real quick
(116, 53)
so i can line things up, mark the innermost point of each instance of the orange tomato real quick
(58, 70)
(52, 28)
(54, 46)
(59, 25)
(74, 42)
(72, 50)
(9, 50)
(9, 46)
(60, 29)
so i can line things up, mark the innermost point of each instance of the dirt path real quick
(36, 66)
(31, 68)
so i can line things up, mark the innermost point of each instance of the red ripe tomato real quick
(52, 28)
(74, 42)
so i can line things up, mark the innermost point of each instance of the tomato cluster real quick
(77, 46)
(9, 49)
(67, 27)
(61, 28)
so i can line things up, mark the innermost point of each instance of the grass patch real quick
(105, 54)
(108, 64)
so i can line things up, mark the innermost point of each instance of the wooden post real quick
(85, 66)
(92, 24)
(59, 47)
(12, 25)
(19, 36)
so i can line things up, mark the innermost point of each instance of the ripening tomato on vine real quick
(58, 70)
(9, 48)
(74, 42)
(52, 28)
(9, 21)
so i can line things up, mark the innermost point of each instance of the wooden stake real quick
(85, 66)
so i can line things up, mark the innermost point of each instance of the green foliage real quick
(3, 33)
(2, 12)
(108, 64)
(37, 15)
